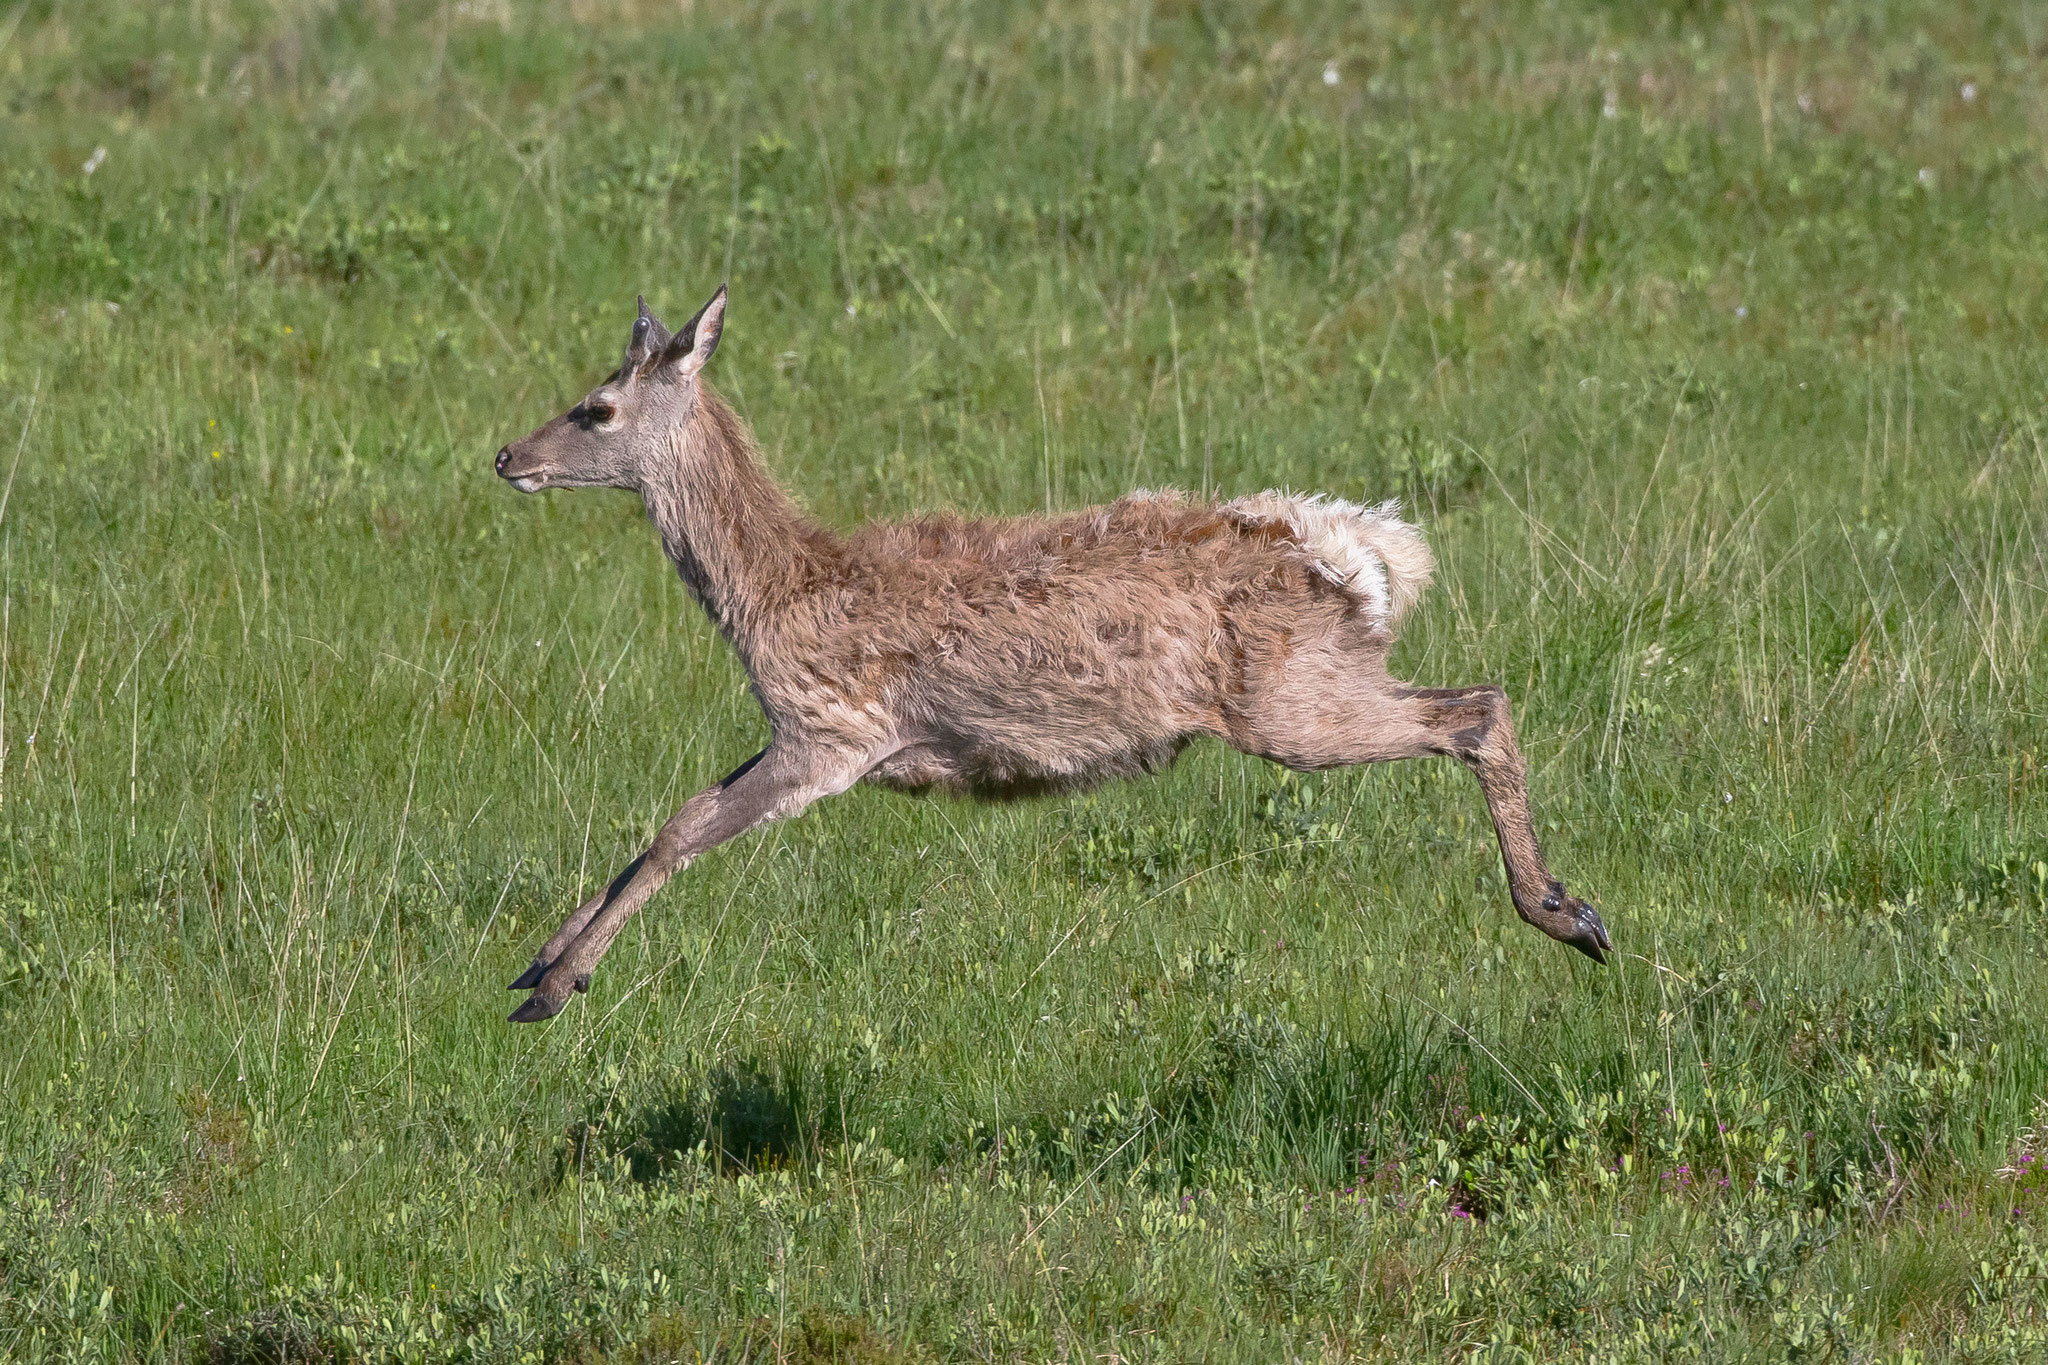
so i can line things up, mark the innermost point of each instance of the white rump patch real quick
(1369, 552)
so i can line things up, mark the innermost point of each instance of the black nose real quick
(504, 454)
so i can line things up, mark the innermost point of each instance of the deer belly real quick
(1055, 701)
(1019, 764)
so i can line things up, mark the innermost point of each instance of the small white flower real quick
(1741, 310)
(1610, 106)
(1969, 91)
(1805, 103)
(1727, 798)
(1330, 73)
(849, 308)
(1927, 175)
(95, 161)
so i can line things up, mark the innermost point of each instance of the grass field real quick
(1706, 342)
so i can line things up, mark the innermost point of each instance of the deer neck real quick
(741, 544)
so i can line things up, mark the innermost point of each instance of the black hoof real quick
(536, 1008)
(530, 978)
(1591, 939)
(582, 983)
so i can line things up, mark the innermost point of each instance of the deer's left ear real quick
(690, 349)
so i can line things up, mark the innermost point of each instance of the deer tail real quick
(1405, 554)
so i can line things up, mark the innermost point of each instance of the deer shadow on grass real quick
(746, 1115)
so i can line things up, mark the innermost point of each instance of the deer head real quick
(622, 426)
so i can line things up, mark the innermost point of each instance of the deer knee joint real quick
(1469, 721)
(670, 851)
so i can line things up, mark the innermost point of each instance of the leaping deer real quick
(1011, 656)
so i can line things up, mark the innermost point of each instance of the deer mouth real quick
(523, 475)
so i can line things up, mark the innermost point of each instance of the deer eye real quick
(599, 413)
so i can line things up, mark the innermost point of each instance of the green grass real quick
(1724, 413)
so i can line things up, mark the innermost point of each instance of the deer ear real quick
(690, 349)
(648, 340)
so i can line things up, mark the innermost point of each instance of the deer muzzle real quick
(521, 470)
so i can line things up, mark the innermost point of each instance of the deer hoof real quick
(530, 978)
(1591, 938)
(582, 984)
(536, 1008)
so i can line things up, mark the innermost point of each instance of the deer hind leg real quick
(770, 786)
(1333, 722)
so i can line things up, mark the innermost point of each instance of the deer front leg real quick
(771, 786)
(571, 927)
(585, 912)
